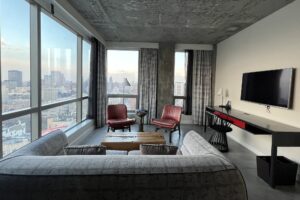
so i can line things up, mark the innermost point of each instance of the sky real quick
(122, 62)
(59, 47)
(14, 36)
(180, 72)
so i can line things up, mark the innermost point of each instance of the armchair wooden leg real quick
(129, 128)
(156, 129)
(170, 136)
(108, 129)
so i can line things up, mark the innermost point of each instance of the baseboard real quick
(247, 146)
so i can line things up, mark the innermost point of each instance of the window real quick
(122, 78)
(86, 53)
(84, 109)
(15, 55)
(59, 59)
(63, 79)
(15, 74)
(61, 117)
(179, 79)
(16, 133)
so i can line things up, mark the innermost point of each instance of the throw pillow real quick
(85, 150)
(158, 149)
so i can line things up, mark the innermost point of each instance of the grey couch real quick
(41, 171)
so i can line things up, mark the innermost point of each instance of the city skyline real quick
(58, 73)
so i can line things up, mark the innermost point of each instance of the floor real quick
(244, 159)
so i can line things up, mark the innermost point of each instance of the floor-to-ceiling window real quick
(122, 78)
(15, 74)
(179, 79)
(44, 75)
(58, 74)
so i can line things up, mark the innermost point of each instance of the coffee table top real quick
(132, 140)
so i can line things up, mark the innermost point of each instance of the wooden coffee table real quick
(131, 141)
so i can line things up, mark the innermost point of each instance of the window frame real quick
(177, 97)
(80, 43)
(36, 107)
(136, 96)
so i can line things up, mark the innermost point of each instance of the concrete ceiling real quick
(180, 21)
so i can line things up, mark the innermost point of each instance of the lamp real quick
(224, 93)
(125, 83)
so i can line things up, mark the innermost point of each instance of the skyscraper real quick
(57, 78)
(15, 77)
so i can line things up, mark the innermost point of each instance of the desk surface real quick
(256, 121)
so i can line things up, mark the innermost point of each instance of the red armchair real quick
(170, 119)
(117, 118)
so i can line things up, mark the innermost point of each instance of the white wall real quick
(271, 43)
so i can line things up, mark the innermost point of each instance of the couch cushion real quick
(49, 145)
(134, 153)
(85, 150)
(115, 152)
(158, 149)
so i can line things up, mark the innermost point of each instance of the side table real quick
(141, 114)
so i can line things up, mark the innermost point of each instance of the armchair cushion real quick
(117, 117)
(118, 111)
(164, 123)
(171, 112)
(120, 122)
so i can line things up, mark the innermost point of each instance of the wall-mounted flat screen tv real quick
(274, 87)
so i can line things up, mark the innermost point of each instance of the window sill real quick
(80, 130)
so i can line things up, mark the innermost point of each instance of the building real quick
(15, 78)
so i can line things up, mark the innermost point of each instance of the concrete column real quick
(165, 88)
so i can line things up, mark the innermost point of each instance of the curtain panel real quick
(202, 84)
(148, 63)
(189, 56)
(97, 101)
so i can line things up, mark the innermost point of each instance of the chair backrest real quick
(118, 111)
(171, 112)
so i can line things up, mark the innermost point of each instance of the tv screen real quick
(274, 87)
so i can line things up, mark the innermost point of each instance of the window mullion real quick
(79, 79)
(35, 70)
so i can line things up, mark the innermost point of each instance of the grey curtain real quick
(148, 81)
(189, 57)
(97, 94)
(202, 84)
